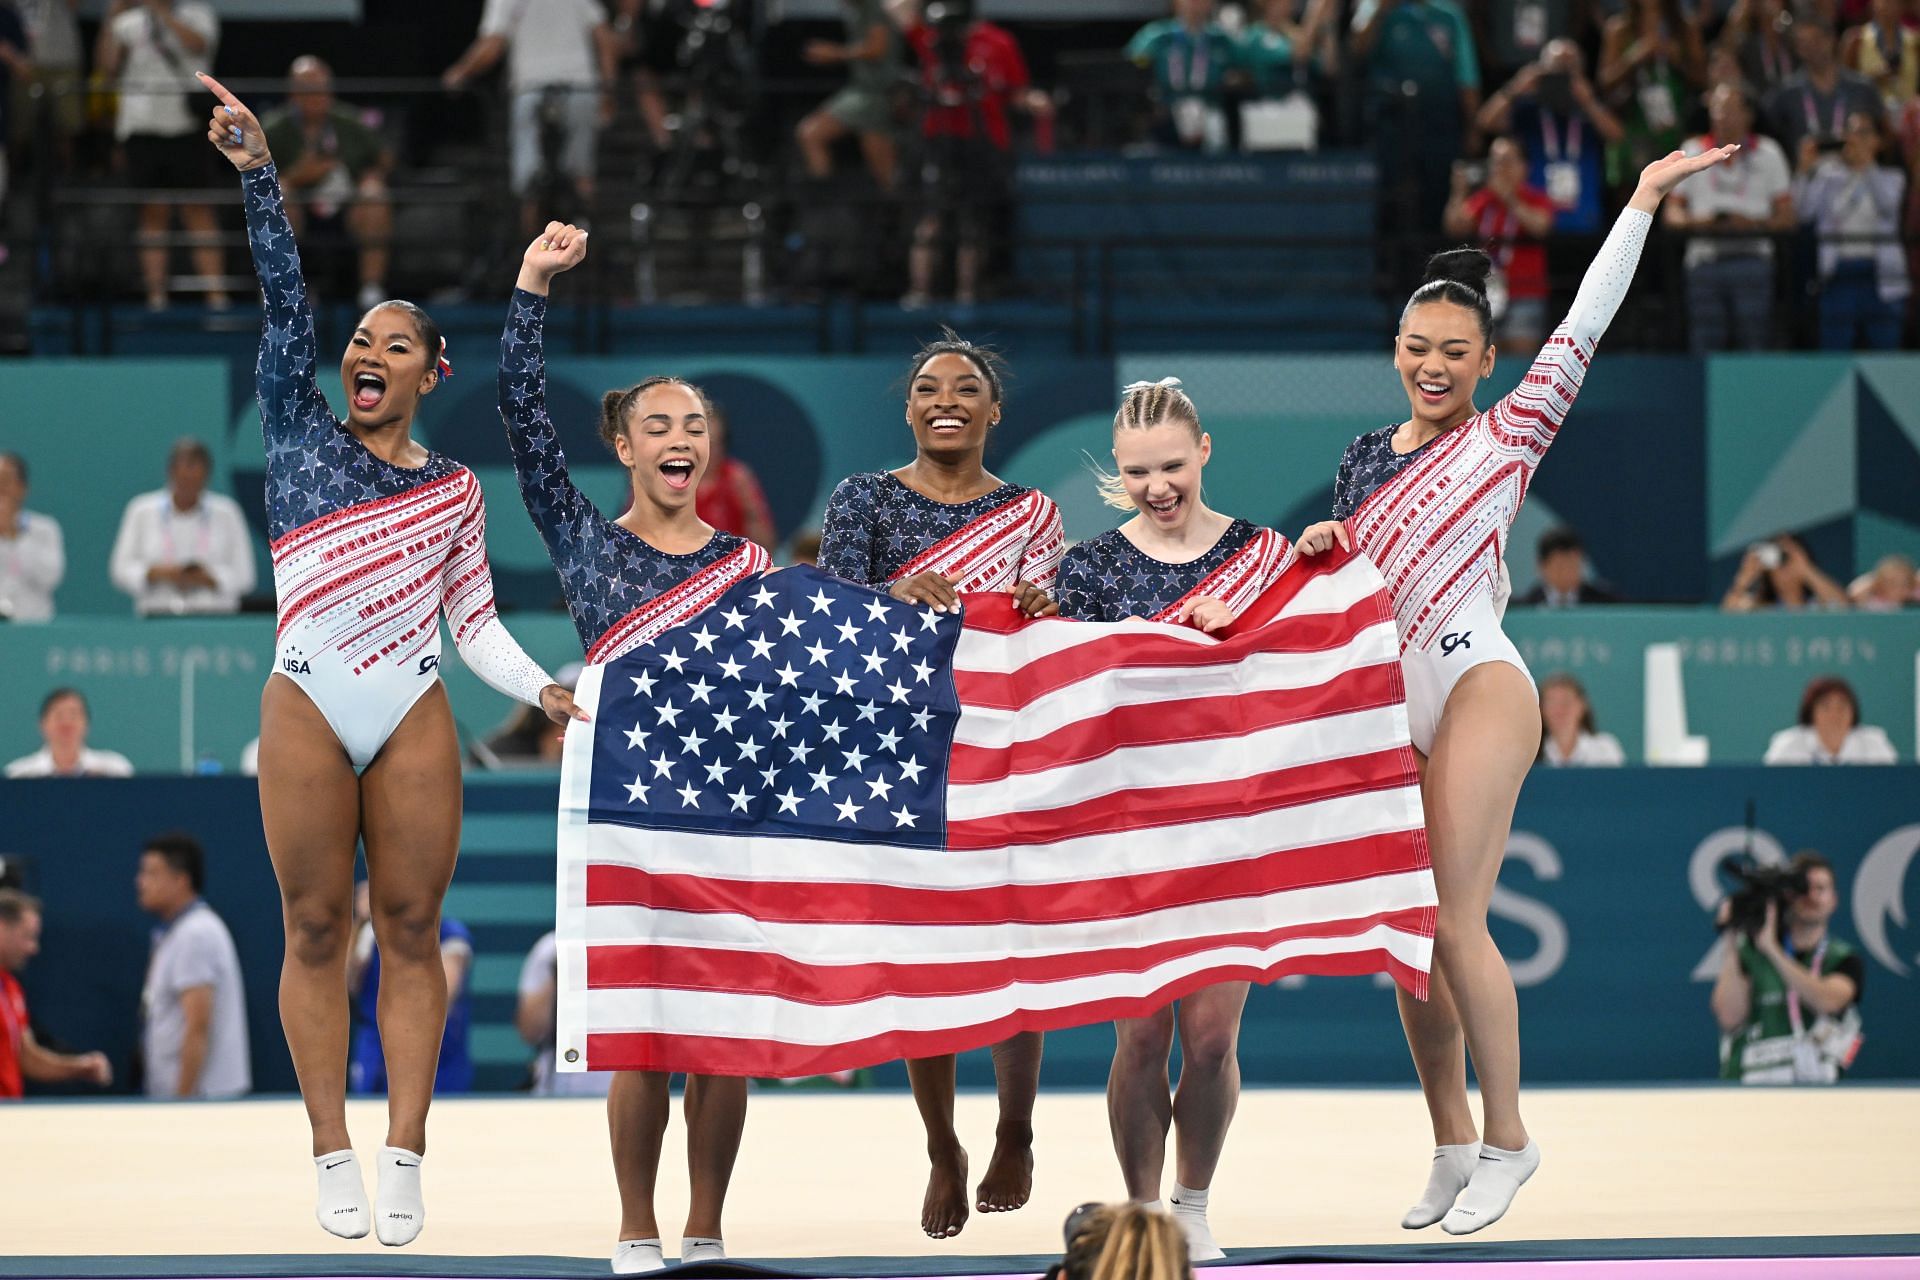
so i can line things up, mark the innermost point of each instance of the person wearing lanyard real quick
(1816, 103)
(1788, 998)
(1551, 109)
(1190, 56)
(33, 556)
(1854, 203)
(181, 549)
(1508, 218)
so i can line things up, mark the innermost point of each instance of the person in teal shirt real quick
(1423, 89)
(1191, 57)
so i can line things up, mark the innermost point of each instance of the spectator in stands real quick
(1759, 36)
(53, 46)
(16, 68)
(1190, 57)
(1891, 584)
(973, 77)
(33, 556)
(1730, 279)
(1779, 573)
(1651, 59)
(562, 62)
(182, 549)
(1508, 218)
(805, 548)
(367, 1062)
(730, 497)
(1788, 995)
(1854, 203)
(150, 49)
(1816, 101)
(1516, 33)
(1423, 92)
(64, 753)
(333, 169)
(1567, 732)
(1829, 730)
(864, 108)
(1885, 51)
(1560, 559)
(22, 1057)
(649, 40)
(534, 1018)
(1564, 128)
(1281, 51)
(193, 1036)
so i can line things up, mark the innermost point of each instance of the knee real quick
(408, 930)
(1457, 931)
(1207, 1050)
(317, 933)
(1144, 1045)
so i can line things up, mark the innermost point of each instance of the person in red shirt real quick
(22, 1057)
(729, 497)
(972, 77)
(1508, 219)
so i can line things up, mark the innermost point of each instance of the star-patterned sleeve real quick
(1345, 494)
(1079, 576)
(560, 511)
(846, 535)
(291, 405)
(1040, 565)
(466, 596)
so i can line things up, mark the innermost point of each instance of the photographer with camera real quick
(1788, 995)
(1779, 573)
(972, 78)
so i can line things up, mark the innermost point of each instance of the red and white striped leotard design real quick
(1438, 527)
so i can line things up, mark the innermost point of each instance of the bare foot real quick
(1009, 1180)
(944, 1212)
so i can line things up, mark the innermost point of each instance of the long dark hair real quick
(1458, 276)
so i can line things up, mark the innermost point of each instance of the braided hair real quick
(1143, 405)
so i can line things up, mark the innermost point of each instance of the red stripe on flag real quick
(1011, 690)
(1211, 719)
(660, 966)
(813, 902)
(1144, 808)
(725, 1056)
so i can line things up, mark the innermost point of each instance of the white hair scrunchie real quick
(1168, 381)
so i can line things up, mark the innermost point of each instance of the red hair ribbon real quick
(445, 365)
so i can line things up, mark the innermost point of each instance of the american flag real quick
(815, 828)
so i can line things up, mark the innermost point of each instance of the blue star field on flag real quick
(798, 704)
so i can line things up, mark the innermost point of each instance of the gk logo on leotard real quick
(1454, 640)
(429, 662)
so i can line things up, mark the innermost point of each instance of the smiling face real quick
(1441, 356)
(951, 405)
(1160, 466)
(387, 369)
(664, 446)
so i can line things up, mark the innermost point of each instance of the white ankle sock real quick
(702, 1249)
(342, 1204)
(1497, 1176)
(1452, 1169)
(1157, 1206)
(634, 1257)
(399, 1211)
(1190, 1211)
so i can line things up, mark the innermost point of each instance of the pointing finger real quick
(218, 90)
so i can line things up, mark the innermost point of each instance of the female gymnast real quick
(374, 536)
(627, 581)
(1177, 560)
(937, 527)
(1430, 500)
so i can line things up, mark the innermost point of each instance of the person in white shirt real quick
(33, 556)
(182, 549)
(151, 48)
(1730, 278)
(563, 46)
(1568, 735)
(193, 1008)
(1830, 731)
(64, 753)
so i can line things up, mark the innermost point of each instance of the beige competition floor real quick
(839, 1174)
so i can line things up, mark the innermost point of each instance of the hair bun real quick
(1170, 382)
(1466, 266)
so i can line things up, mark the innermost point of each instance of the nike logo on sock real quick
(1485, 1156)
(335, 1165)
(408, 1164)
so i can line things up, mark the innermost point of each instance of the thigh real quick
(410, 802)
(1212, 1012)
(1487, 739)
(525, 130)
(309, 797)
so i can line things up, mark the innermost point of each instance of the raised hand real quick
(1668, 172)
(234, 130)
(559, 248)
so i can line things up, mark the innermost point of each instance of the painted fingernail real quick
(229, 110)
